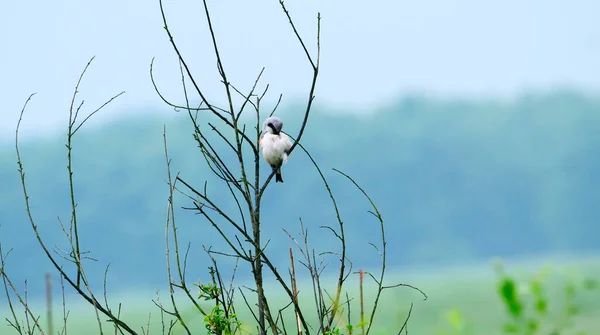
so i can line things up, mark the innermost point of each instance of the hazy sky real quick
(372, 51)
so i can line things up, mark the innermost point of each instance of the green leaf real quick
(532, 325)
(536, 288)
(541, 306)
(572, 310)
(590, 284)
(508, 292)
(455, 319)
(511, 328)
(570, 290)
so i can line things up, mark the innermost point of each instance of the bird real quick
(275, 145)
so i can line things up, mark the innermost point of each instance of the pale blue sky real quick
(372, 51)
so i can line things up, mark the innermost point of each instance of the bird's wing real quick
(287, 143)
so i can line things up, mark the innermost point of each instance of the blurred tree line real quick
(455, 180)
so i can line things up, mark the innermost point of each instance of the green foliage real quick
(208, 291)
(508, 292)
(530, 307)
(217, 322)
(222, 318)
(537, 318)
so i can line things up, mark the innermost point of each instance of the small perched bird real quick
(275, 145)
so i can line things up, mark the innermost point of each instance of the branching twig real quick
(75, 283)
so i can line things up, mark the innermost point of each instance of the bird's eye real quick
(271, 125)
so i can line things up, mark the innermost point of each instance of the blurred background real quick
(473, 126)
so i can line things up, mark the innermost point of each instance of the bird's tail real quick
(278, 178)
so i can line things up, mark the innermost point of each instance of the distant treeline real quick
(454, 180)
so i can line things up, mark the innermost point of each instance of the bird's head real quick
(272, 125)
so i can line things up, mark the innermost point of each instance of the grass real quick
(471, 290)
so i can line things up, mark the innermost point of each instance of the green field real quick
(469, 289)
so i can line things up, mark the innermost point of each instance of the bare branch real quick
(90, 298)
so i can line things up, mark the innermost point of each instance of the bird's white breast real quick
(274, 148)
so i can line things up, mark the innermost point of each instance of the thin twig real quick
(90, 298)
(298, 322)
